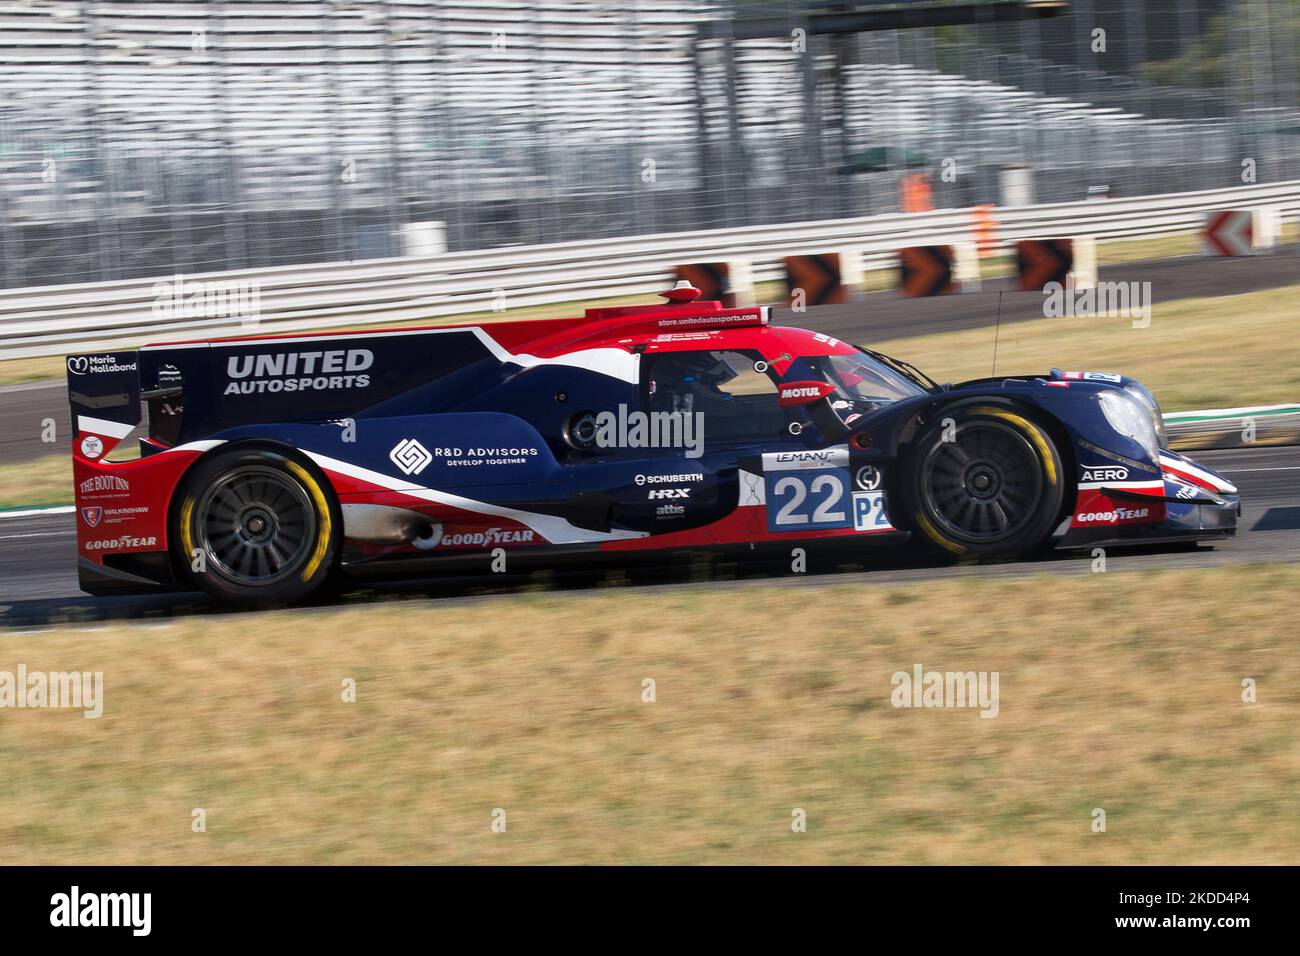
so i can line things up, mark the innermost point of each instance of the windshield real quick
(861, 380)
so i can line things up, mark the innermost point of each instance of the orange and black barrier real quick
(1040, 261)
(820, 277)
(713, 279)
(927, 270)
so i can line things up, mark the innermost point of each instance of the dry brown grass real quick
(768, 699)
(42, 481)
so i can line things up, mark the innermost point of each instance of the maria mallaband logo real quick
(75, 908)
(97, 364)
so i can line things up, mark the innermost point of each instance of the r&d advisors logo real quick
(410, 456)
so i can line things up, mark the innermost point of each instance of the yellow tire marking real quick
(187, 537)
(1032, 432)
(323, 508)
(937, 538)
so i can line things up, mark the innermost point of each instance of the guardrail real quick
(51, 320)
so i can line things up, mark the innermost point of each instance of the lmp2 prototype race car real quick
(258, 468)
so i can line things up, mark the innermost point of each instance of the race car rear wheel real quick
(255, 528)
(984, 481)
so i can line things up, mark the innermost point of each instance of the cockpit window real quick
(737, 400)
(861, 380)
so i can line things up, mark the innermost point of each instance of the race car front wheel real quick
(984, 481)
(255, 529)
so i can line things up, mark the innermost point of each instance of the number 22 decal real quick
(814, 500)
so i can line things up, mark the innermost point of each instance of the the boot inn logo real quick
(98, 483)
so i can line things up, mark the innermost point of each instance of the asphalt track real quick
(38, 585)
(873, 317)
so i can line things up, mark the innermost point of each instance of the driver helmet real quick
(703, 372)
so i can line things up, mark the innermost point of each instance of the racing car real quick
(259, 469)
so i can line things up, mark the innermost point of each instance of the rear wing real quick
(110, 400)
(104, 394)
(121, 512)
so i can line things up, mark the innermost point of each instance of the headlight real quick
(1130, 417)
(1143, 395)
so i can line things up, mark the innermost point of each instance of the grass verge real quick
(534, 705)
(37, 483)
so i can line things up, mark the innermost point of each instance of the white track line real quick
(34, 512)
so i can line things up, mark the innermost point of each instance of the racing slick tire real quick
(255, 528)
(983, 481)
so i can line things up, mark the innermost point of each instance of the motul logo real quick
(803, 393)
